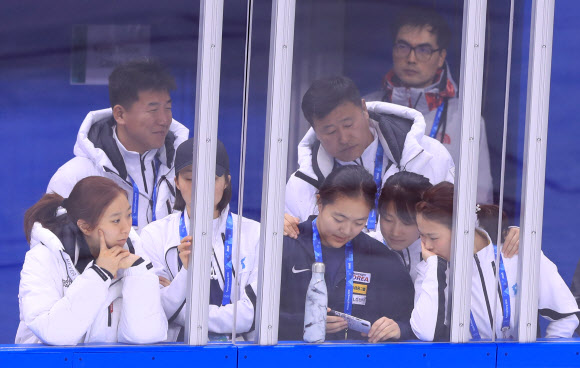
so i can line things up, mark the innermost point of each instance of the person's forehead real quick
(418, 34)
(153, 95)
(343, 112)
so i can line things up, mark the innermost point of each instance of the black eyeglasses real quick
(422, 52)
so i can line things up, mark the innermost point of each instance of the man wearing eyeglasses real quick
(421, 79)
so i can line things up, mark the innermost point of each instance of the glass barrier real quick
(365, 94)
(58, 68)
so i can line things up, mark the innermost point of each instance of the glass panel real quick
(561, 191)
(57, 70)
(406, 65)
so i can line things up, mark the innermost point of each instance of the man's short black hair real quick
(324, 95)
(128, 79)
(420, 17)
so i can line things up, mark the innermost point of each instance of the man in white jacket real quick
(421, 79)
(382, 137)
(132, 143)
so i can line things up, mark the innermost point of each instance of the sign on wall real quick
(97, 49)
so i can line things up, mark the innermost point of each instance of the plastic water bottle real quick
(315, 306)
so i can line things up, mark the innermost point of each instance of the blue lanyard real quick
(135, 207)
(435, 126)
(227, 254)
(348, 263)
(473, 328)
(372, 221)
(505, 296)
(228, 260)
(182, 234)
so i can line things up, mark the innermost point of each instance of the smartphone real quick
(354, 323)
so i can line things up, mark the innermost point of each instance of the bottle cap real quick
(318, 267)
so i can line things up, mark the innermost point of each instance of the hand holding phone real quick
(354, 323)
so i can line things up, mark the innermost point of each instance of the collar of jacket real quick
(400, 131)
(443, 87)
(95, 141)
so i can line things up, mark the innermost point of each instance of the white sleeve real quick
(484, 181)
(66, 177)
(556, 303)
(153, 249)
(221, 319)
(300, 198)
(428, 316)
(172, 296)
(54, 318)
(143, 320)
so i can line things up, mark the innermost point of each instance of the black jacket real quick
(389, 289)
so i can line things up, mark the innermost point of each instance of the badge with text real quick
(359, 299)
(360, 289)
(362, 277)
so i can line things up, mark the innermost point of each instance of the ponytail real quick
(44, 212)
(488, 215)
(87, 201)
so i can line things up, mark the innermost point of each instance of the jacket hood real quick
(423, 99)
(95, 141)
(41, 235)
(400, 130)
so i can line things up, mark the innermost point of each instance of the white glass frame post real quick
(472, 53)
(275, 162)
(203, 178)
(534, 170)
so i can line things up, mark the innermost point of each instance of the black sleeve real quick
(291, 324)
(441, 329)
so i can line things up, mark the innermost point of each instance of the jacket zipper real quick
(142, 161)
(414, 157)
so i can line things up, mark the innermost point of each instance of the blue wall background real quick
(40, 111)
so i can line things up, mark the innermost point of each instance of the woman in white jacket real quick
(83, 279)
(398, 226)
(168, 245)
(434, 220)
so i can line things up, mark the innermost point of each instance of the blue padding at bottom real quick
(368, 355)
(166, 355)
(560, 353)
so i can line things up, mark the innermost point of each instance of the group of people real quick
(372, 199)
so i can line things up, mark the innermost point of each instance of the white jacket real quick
(97, 154)
(416, 97)
(408, 149)
(555, 303)
(160, 240)
(59, 306)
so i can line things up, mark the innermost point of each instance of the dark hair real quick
(350, 181)
(437, 204)
(324, 95)
(179, 204)
(487, 216)
(405, 190)
(87, 201)
(127, 80)
(421, 17)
